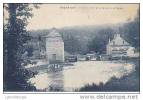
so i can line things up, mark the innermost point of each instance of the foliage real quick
(15, 35)
(132, 32)
(129, 31)
(83, 39)
(99, 42)
(72, 44)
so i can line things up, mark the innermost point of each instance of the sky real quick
(66, 15)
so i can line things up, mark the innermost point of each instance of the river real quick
(81, 74)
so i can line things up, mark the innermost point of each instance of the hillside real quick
(82, 39)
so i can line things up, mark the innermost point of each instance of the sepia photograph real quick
(71, 47)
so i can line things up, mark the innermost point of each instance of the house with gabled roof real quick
(119, 47)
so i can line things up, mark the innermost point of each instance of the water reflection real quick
(50, 80)
(56, 81)
(82, 73)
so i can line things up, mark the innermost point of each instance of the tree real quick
(100, 40)
(15, 35)
(132, 32)
(72, 44)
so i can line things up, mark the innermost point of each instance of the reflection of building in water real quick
(54, 47)
(56, 81)
(119, 47)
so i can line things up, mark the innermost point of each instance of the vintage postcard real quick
(71, 47)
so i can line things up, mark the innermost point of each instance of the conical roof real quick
(54, 36)
(54, 33)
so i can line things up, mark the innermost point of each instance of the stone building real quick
(119, 47)
(54, 47)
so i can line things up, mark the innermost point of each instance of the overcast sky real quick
(63, 15)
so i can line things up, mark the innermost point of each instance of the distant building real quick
(119, 47)
(54, 47)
